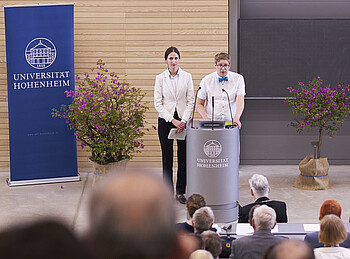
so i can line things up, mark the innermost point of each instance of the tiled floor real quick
(69, 201)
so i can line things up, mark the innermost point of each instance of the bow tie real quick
(223, 79)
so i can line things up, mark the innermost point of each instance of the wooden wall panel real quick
(131, 37)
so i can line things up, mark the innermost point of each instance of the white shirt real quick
(173, 79)
(332, 253)
(210, 86)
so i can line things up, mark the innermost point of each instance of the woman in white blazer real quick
(173, 100)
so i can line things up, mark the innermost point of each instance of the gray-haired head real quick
(259, 185)
(201, 254)
(264, 217)
(203, 219)
(290, 249)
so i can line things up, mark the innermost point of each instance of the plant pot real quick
(102, 171)
(313, 174)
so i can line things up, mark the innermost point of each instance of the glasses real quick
(223, 66)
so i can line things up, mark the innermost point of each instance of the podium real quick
(212, 168)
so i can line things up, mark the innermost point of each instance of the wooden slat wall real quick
(131, 37)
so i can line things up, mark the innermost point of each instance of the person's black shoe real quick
(181, 198)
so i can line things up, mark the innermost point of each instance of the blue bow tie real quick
(223, 79)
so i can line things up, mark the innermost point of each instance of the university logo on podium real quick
(40, 53)
(212, 148)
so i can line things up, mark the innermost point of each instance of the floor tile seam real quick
(76, 214)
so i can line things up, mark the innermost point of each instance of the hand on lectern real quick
(237, 122)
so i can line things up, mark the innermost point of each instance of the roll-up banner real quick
(40, 68)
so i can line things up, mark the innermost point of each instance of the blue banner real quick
(40, 68)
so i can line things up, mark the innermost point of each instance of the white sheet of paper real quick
(311, 227)
(173, 135)
(244, 229)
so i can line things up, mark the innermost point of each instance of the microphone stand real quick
(212, 113)
(194, 107)
(229, 104)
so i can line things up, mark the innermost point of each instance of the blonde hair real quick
(332, 230)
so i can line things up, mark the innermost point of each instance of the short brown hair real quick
(332, 230)
(330, 207)
(222, 56)
(212, 242)
(194, 202)
(251, 212)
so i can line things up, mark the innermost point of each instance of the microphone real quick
(229, 104)
(194, 107)
(212, 113)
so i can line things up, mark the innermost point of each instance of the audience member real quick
(251, 213)
(132, 215)
(212, 243)
(332, 233)
(41, 240)
(193, 203)
(201, 254)
(203, 219)
(254, 247)
(260, 189)
(290, 249)
(328, 207)
(187, 243)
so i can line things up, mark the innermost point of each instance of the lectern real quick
(212, 168)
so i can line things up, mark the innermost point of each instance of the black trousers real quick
(167, 155)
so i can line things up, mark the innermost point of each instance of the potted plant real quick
(326, 109)
(106, 115)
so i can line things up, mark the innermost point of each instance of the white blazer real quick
(166, 99)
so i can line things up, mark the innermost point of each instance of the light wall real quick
(131, 37)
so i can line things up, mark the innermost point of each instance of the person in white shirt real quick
(226, 87)
(173, 100)
(332, 233)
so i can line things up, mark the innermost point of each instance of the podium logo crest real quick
(212, 148)
(40, 53)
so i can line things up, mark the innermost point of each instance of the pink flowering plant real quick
(106, 115)
(319, 106)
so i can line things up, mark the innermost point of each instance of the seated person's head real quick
(332, 230)
(330, 207)
(290, 249)
(42, 239)
(264, 218)
(132, 216)
(259, 186)
(194, 202)
(212, 243)
(251, 212)
(203, 219)
(201, 254)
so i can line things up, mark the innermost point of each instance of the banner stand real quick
(40, 69)
(43, 181)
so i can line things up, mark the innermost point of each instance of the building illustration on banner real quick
(212, 148)
(40, 53)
